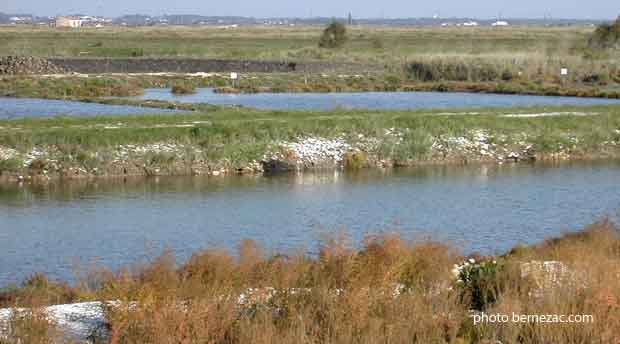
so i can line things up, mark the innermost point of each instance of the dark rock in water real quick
(277, 166)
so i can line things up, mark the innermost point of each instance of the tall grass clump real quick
(439, 70)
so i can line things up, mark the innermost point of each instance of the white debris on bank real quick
(127, 151)
(478, 141)
(548, 114)
(76, 321)
(550, 276)
(546, 275)
(315, 149)
(481, 143)
(35, 154)
(7, 153)
(318, 149)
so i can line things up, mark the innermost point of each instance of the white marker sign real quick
(564, 71)
(234, 76)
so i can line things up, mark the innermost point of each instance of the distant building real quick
(69, 21)
(470, 23)
(500, 23)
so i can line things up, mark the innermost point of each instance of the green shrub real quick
(377, 43)
(596, 78)
(10, 165)
(160, 159)
(477, 282)
(606, 36)
(184, 88)
(355, 160)
(334, 35)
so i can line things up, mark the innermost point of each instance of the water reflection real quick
(480, 208)
(369, 100)
(29, 107)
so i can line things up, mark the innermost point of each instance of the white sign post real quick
(234, 76)
(563, 75)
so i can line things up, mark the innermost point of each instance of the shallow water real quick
(368, 100)
(477, 208)
(30, 107)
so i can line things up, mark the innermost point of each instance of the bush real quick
(596, 78)
(478, 282)
(606, 36)
(334, 36)
(355, 160)
(183, 89)
(37, 289)
(10, 165)
(377, 43)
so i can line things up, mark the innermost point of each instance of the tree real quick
(334, 35)
(606, 35)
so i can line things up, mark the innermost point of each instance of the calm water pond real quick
(477, 208)
(368, 100)
(29, 107)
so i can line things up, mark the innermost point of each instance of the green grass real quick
(296, 43)
(518, 59)
(241, 135)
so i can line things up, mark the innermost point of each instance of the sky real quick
(566, 9)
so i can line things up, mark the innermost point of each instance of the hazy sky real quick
(593, 9)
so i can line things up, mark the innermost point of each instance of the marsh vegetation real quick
(388, 288)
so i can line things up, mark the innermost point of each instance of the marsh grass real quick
(385, 288)
(31, 325)
(69, 87)
(237, 136)
(297, 43)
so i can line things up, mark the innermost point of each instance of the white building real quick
(500, 23)
(66, 21)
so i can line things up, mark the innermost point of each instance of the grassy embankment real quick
(388, 290)
(506, 60)
(231, 139)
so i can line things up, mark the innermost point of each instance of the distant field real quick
(516, 59)
(366, 44)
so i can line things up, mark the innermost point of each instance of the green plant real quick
(160, 159)
(478, 282)
(355, 160)
(377, 43)
(334, 35)
(10, 165)
(31, 326)
(606, 36)
(184, 88)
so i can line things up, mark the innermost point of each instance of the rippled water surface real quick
(29, 107)
(488, 209)
(369, 100)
